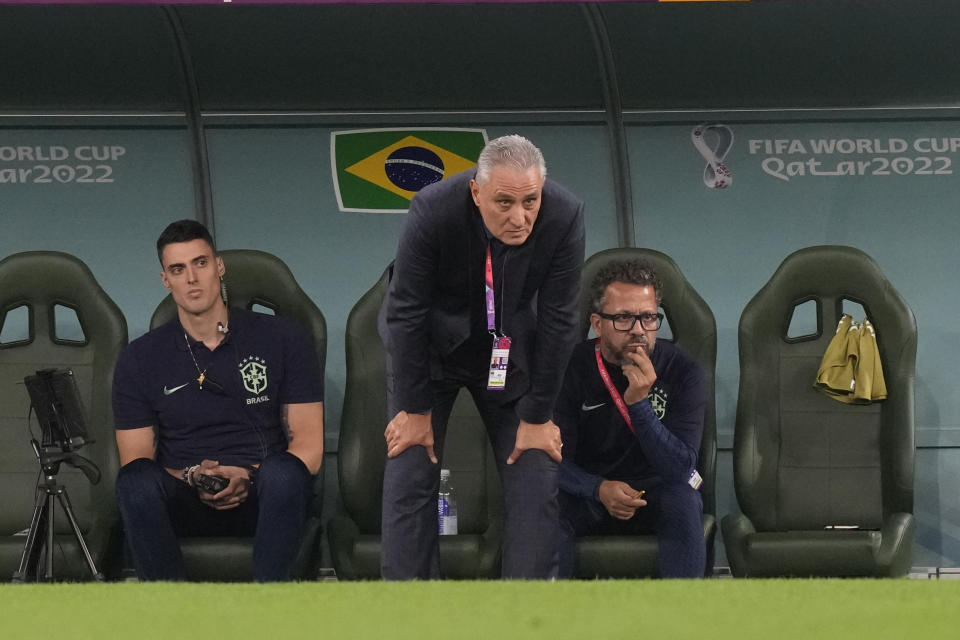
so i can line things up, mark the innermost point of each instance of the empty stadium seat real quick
(804, 463)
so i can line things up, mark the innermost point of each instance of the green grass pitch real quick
(638, 610)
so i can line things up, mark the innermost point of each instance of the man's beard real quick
(632, 346)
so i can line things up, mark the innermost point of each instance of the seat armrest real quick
(736, 527)
(343, 533)
(893, 559)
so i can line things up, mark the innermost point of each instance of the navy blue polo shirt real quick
(263, 363)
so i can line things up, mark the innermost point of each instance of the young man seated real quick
(219, 417)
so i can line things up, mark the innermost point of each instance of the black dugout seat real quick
(44, 296)
(804, 463)
(262, 282)
(355, 535)
(694, 329)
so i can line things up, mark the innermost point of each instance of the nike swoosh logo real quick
(591, 407)
(167, 392)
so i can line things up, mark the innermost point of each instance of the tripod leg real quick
(68, 509)
(48, 570)
(39, 507)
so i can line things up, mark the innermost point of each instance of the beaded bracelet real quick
(187, 474)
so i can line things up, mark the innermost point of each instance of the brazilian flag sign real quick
(380, 170)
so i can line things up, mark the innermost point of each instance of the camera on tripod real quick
(55, 400)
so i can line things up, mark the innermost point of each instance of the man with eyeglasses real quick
(219, 417)
(631, 414)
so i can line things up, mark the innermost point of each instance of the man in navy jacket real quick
(484, 296)
(631, 413)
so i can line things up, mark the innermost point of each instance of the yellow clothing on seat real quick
(869, 375)
(850, 370)
(837, 373)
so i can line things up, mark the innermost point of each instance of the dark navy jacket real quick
(433, 317)
(597, 443)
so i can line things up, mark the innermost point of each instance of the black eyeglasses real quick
(626, 321)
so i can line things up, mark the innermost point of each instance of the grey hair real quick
(514, 151)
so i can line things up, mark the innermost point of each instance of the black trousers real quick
(674, 513)
(158, 509)
(409, 544)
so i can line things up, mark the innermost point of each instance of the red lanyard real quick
(614, 394)
(488, 294)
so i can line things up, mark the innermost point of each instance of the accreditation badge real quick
(500, 356)
(696, 480)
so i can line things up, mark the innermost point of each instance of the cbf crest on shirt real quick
(253, 372)
(658, 400)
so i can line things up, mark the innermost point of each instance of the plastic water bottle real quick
(447, 505)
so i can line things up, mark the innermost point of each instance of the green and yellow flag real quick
(380, 170)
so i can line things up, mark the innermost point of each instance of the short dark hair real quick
(638, 272)
(183, 231)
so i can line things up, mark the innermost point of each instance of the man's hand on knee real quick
(408, 430)
(544, 436)
(620, 499)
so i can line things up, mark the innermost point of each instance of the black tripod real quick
(50, 459)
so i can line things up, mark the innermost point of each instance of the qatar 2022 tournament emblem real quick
(714, 142)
